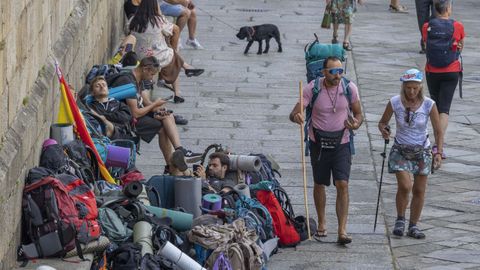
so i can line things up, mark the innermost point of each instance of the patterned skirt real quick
(342, 11)
(398, 163)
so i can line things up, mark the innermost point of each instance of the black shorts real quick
(332, 163)
(442, 87)
(147, 127)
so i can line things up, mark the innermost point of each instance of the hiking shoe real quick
(178, 99)
(194, 72)
(178, 160)
(194, 44)
(415, 232)
(190, 156)
(399, 227)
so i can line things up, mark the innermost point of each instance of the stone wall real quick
(33, 34)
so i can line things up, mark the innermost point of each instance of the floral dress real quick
(342, 11)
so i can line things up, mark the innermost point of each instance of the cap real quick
(48, 142)
(412, 75)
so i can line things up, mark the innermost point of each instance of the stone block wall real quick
(33, 34)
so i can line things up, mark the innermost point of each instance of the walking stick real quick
(384, 155)
(303, 164)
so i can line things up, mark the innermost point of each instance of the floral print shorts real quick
(398, 163)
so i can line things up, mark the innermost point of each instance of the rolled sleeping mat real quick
(94, 246)
(62, 133)
(118, 156)
(242, 189)
(133, 189)
(245, 163)
(211, 202)
(182, 260)
(119, 93)
(188, 195)
(142, 234)
(269, 247)
(181, 221)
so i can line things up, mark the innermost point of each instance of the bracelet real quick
(438, 153)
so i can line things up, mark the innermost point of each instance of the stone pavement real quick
(244, 101)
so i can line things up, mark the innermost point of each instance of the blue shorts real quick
(171, 10)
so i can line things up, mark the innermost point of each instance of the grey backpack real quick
(112, 226)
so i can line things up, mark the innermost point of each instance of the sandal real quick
(334, 40)
(415, 232)
(320, 234)
(399, 227)
(344, 239)
(398, 9)
(347, 46)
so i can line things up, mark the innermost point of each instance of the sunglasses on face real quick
(335, 71)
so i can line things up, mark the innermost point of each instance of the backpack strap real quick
(308, 114)
(347, 92)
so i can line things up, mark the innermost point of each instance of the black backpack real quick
(440, 41)
(101, 70)
(128, 256)
(85, 160)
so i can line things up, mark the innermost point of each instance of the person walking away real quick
(333, 116)
(425, 12)
(411, 153)
(444, 39)
(342, 13)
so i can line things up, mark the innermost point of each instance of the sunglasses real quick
(335, 71)
(407, 115)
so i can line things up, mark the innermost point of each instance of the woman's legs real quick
(335, 30)
(404, 184)
(348, 32)
(418, 197)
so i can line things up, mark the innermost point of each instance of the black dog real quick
(259, 33)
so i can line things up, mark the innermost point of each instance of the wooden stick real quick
(303, 164)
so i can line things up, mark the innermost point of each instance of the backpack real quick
(162, 186)
(86, 204)
(222, 263)
(85, 158)
(260, 212)
(266, 172)
(101, 70)
(49, 217)
(315, 55)
(128, 256)
(283, 227)
(112, 226)
(439, 49)
(308, 112)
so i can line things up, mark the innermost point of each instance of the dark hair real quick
(441, 6)
(330, 58)
(129, 59)
(149, 61)
(224, 159)
(148, 11)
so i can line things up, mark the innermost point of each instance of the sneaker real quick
(399, 227)
(190, 156)
(178, 160)
(179, 120)
(194, 72)
(178, 99)
(194, 44)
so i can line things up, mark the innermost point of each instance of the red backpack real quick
(86, 204)
(283, 227)
(49, 217)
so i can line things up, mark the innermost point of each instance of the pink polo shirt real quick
(323, 116)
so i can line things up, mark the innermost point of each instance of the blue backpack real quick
(440, 41)
(308, 112)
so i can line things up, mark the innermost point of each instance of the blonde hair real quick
(420, 95)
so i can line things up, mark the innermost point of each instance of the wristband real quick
(438, 153)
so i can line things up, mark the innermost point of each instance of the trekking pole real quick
(384, 155)
(304, 169)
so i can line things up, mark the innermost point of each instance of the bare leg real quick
(319, 197)
(183, 18)
(342, 205)
(176, 87)
(444, 122)
(174, 38)
(418, 197)
(165, 145)
(171, 131)
(348, 32)
(404, 186)
(192, 24)
(335, 30)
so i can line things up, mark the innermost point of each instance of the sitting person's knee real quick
(185, 12)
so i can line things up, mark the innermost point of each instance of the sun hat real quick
(412, 75)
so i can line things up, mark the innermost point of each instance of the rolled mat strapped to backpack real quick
(142, 235)
(119, 93)
(182, 260)
(242, 189)
(180, 221)
(133, 189)
(245, 163)
(211, 202)
(118, 156)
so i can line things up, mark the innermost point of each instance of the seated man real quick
(151, 117)
(185, 12)
(114, 114)
(218, 165)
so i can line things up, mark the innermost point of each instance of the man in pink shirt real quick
(333, 116)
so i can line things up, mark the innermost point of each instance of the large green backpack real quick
(308, 112)
(315, 55)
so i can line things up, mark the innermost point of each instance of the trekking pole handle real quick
(387, 128)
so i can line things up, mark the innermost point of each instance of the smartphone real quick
(195, 168)
(128, 48)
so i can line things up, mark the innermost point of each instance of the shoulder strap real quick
(346, 90)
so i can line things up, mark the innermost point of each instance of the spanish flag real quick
(69, 113)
